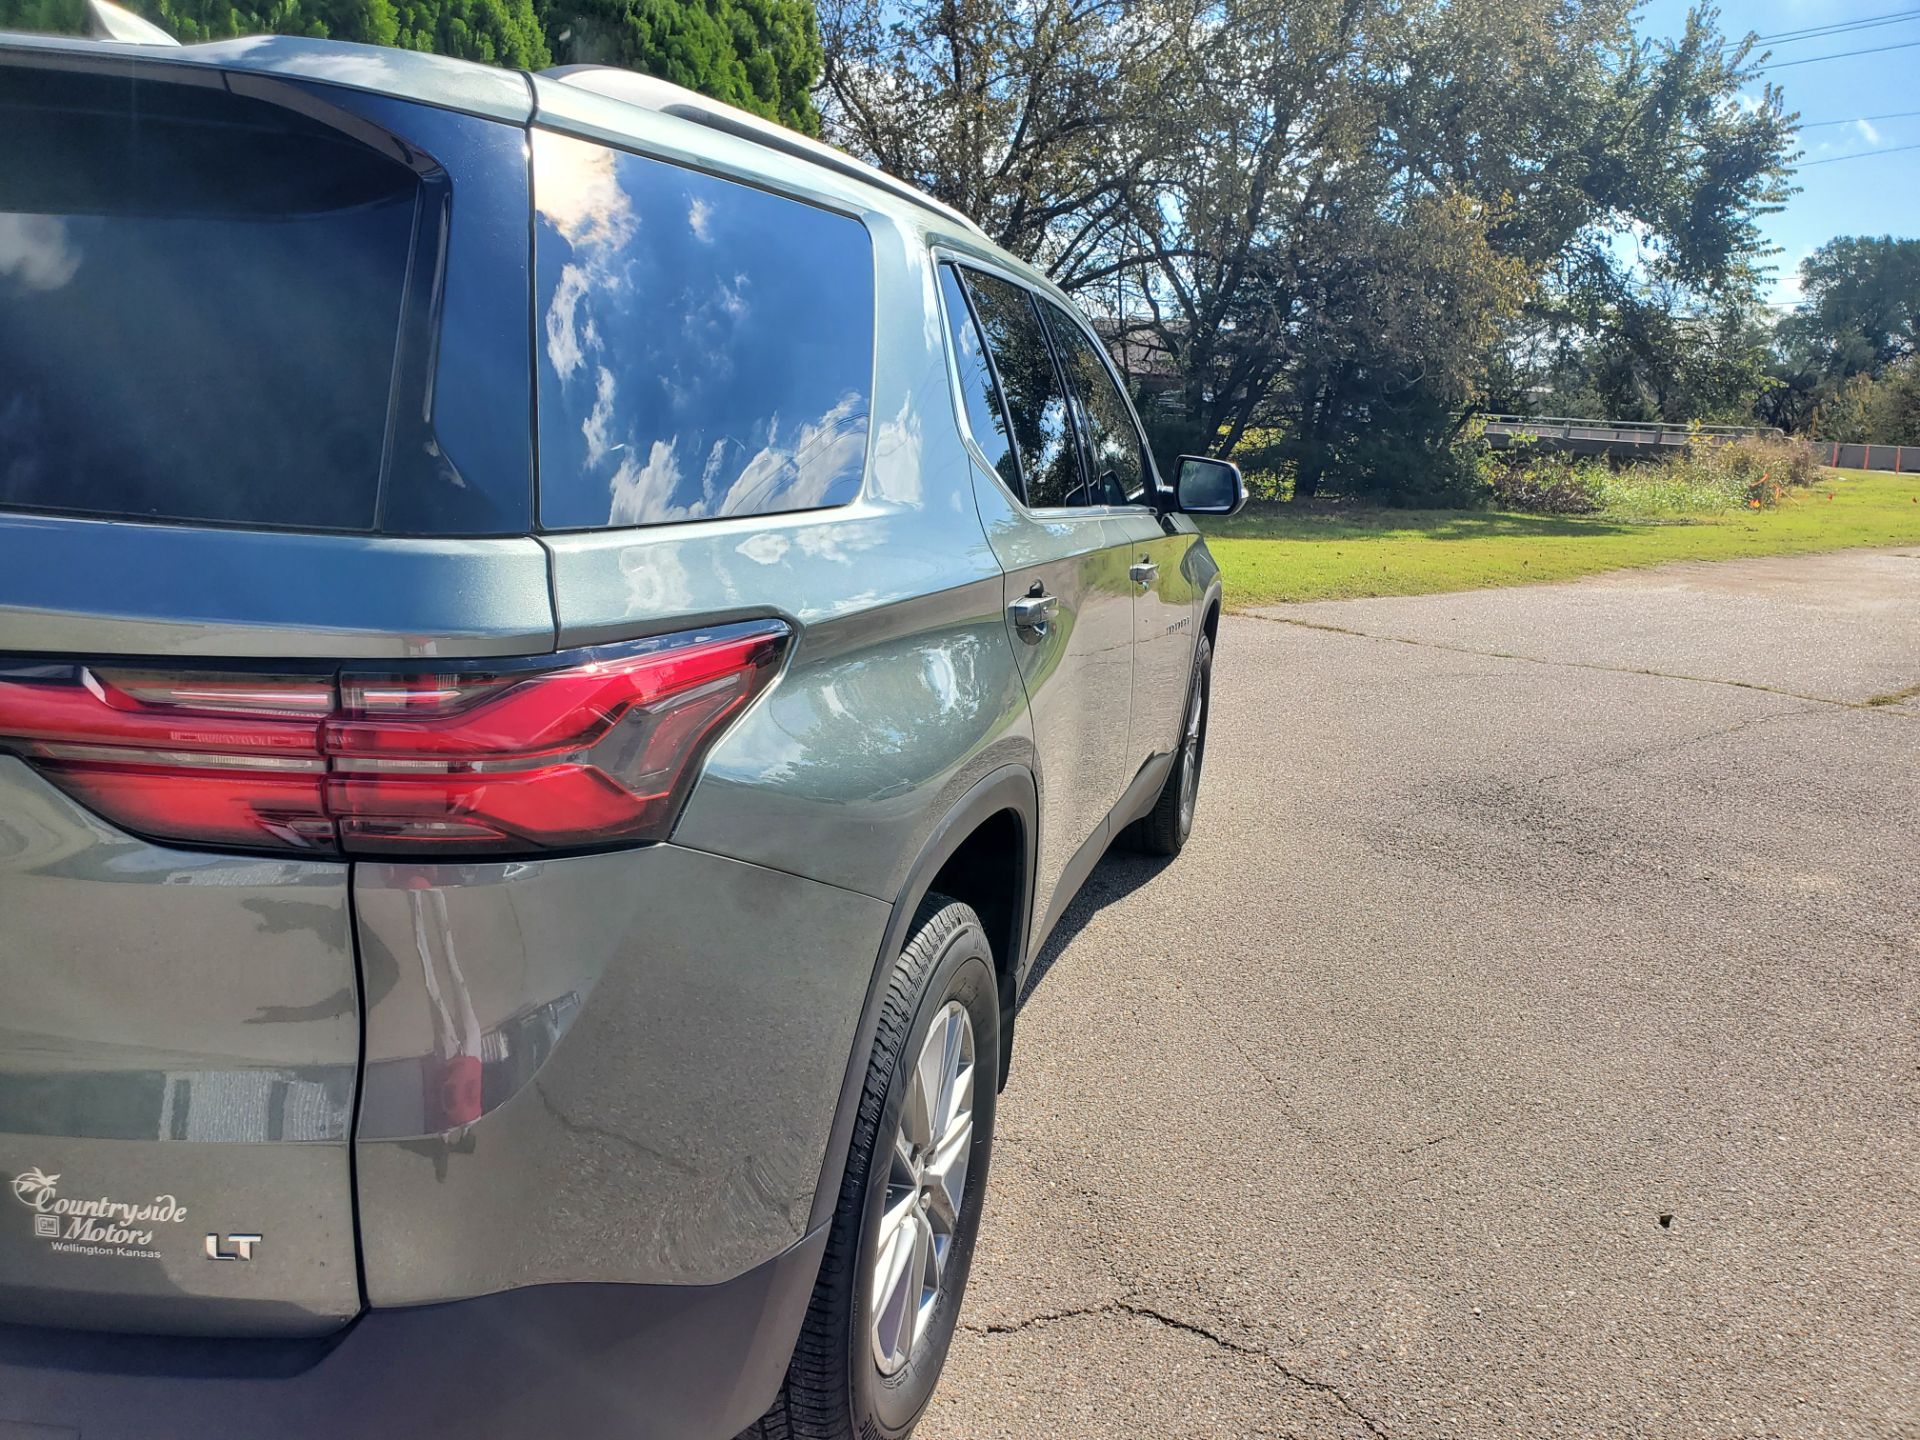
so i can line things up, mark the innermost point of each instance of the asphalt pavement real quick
(1528, 1041)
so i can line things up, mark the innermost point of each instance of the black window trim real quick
(964, 260)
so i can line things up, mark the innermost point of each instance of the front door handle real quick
(1143, 573)
(1034, 613)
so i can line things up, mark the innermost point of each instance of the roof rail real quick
(676, 100)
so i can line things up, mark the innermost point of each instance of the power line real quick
(1839, 27)
(1840, 55)
(1863, 155)
(1896, 115)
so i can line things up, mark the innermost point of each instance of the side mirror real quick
(1209, 487)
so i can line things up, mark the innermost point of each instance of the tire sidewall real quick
(891, 1405)
(1200, 692)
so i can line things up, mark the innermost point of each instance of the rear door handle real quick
(1034, 612)
(1143, 573)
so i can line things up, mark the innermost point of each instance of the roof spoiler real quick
(106, 21)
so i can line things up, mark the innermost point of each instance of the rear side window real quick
(200, 298)
(706, 348)
(1037, 405)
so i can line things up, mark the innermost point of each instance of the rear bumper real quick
(583, 1361)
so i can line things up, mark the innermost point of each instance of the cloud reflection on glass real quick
(707, 347)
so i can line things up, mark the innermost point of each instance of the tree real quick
(1029, 117)
(1885, 411)
(494, 32)
(762, 55)
(1862, 307)
(1334, 218)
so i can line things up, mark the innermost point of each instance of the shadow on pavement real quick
(1118, 875)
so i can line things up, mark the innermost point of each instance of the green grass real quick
(1276, 553)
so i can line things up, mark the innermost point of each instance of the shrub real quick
(1548, 483)
(1710, 476)
(1755, 473)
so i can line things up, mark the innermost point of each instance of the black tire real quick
(1164, 829)
(835, 1388)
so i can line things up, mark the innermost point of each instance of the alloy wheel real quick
(926, 1182)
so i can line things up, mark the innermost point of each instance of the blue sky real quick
(1878, 196)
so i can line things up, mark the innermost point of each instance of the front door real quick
(1157, 546)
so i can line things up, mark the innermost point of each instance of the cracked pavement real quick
(1514, 922)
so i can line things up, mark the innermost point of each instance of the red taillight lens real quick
(592, 748)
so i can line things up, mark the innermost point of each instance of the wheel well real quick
(988, 873)
(1211, 625)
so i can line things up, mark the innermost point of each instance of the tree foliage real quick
(762, 55)
(1844, 361)
(1348, 223)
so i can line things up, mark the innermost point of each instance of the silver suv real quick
(562, 649)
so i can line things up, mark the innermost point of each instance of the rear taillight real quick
(595, 747)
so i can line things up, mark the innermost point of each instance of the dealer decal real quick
(95, 1225)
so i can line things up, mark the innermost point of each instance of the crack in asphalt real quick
(1882, 704)
(1671, 747)
(1126, 1305)
(1895, 697)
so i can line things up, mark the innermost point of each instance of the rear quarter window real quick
(705, 348)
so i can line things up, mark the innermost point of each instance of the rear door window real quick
(706, 348)
(1036, 401)
(200, 299)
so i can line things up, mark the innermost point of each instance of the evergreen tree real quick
(762, 55)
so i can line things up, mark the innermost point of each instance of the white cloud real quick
(1867, 132)
(579, 193)
(643, 494)
(766, 548)
(805, 472)
(566, 345)
(896, 457)
(594, 427)
(580, 196)
(699, 214)
(36, 251)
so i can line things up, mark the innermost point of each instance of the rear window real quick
(200, 295)
(706, 348)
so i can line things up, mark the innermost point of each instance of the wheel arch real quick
(967, 851)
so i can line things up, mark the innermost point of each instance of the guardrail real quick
(1596, 436)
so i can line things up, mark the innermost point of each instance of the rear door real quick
(1070, 604)
(233, 453)
(1158, 546)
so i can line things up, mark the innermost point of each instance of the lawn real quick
(1276, 553)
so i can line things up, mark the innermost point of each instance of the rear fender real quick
(1011, 787)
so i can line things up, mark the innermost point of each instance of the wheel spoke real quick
(897, 1283)
(947, 1174)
